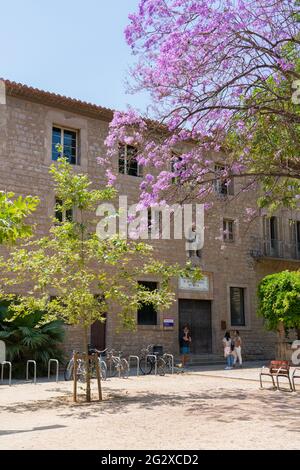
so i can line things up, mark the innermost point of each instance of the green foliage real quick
(13, 212)
(271, 137)
(279, 299)
(78, 276)
(29, 337)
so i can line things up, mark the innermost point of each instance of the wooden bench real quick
(295, 375)
(275, 370)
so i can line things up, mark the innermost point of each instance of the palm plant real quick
(29, 337)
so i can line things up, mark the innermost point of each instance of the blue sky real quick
(72, 47)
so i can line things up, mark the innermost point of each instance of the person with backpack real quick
(228, 350)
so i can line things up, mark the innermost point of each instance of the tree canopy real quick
(224, 80)
(13, 212)
(279, 299)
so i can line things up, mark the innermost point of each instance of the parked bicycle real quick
(81, 367)
(116, 364)
(151, 355)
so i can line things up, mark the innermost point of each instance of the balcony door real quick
(272, 243)
(295, 238)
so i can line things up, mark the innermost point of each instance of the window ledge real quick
(240, 328)
(149, 327)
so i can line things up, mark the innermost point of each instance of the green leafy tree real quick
(76, 275)
(29, 337)
(13, 212)
(279, 303)
(269, 141)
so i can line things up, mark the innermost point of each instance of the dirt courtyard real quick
(205, 408)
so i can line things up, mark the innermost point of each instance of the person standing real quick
(237, 348)
(185, 342)
(228, 350)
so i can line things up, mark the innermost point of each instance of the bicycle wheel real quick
(146, 365)
(161, 366)
(124, 368)
(68, 372)
(81, 371)
(169, 364)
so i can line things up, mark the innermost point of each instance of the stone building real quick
(235, 255)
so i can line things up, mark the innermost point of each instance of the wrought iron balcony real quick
(278, 249)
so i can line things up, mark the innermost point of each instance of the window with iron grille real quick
(128, 164)
(237, 306)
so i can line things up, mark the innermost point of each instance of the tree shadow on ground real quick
(36, 428)
(221, 405)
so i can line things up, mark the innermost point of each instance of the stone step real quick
(203, 359)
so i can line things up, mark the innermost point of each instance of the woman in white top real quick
(228, 353)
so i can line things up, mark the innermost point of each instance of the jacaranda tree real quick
(223, 77)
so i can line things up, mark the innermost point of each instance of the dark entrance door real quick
(197, 315)
(98, 330)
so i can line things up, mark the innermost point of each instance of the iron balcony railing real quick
(269, 248)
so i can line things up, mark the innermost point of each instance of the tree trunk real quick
(281, 345)
(87, 364)
(298, 333)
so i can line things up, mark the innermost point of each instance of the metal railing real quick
(269, 248)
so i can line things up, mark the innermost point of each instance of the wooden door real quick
(197, 315)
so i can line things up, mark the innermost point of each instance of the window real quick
(237, 306)
(223, 185)
(177, 167)
(295, 238)
(68, 140)
(62, 215)
(128, 164)
(228, 234)
(273, 229)
(274, 243)
(147, 315)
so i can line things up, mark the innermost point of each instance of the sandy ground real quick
(205, 408)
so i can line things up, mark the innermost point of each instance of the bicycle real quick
(147, 363)
(81, 368)
(116, 365)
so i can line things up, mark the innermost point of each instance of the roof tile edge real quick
(53, 99)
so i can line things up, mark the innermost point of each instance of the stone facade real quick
(26, 120)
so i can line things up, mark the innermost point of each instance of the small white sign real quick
(187, 284)
(168, 322)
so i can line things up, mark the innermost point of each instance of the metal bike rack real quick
(137, 363)
(155, 361)
(6, 363)
(31, 361)
(53, 361)
(172, 361)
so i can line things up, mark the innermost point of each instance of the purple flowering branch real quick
(213, 69)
